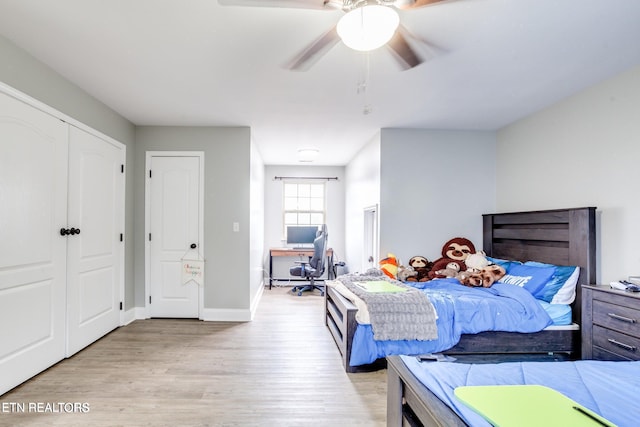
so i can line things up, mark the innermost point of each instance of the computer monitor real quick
(301, 234)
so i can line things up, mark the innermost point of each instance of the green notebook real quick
(527, 405)
(379, 286)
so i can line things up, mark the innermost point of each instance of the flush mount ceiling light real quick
(307, 155)
(368, 27)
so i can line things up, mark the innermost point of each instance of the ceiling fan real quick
(405, 55)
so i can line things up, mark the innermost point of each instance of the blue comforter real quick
(461, 310)
(607, 388)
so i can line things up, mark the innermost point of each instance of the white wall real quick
(583, 151)
(435, 185)
(273, 231)
(362, 190)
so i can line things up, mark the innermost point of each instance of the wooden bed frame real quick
(409, 402)
(560, 236)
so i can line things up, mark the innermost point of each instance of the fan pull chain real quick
(363, 84)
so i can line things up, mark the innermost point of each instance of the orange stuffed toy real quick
(389, 266)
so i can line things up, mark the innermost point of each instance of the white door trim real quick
(147, 222)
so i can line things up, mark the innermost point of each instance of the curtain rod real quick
(324, 178)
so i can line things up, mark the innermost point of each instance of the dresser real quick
(610, 324)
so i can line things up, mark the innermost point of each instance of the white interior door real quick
(174, 224)
(33, 208)
(95, 254)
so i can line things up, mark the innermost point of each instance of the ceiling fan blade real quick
(402, 51)
(294, 4)
(413, 4)
(305, 59)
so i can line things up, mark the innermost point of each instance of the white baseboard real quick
(128, 316)
(212, 314)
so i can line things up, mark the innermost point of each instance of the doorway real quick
(174, 231)
(370, 244)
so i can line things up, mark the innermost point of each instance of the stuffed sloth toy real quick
(444, 267)
(451, 270)
(456, 249)
(422, 267)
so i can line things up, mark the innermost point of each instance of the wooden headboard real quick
(559, 236)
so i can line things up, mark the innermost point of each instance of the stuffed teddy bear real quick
(456, 249)
(476, 262)
(406, 274)
(422, 266)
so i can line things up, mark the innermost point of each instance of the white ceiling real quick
(197, 63)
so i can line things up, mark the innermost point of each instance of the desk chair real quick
(313, 268)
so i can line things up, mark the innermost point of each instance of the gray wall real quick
(582, 151)
(435, 185)
(227, 185)
(26, 74)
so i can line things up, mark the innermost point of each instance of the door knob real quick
(64, 231)
(74, 231)
(193, 246)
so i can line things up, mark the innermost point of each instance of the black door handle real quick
(67, 231)
(193, 246)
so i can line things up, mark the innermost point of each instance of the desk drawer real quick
(616, 317)
(616, 342)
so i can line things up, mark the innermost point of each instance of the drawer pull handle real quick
(623, 345)
(624, 319)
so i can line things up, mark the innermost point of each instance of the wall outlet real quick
(236, 227)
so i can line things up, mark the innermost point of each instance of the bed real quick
(420, 393)
(563, 237)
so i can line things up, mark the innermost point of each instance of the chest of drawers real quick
(610, 324)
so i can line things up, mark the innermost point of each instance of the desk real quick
(301, 253)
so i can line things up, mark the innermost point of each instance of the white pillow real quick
(567, 293)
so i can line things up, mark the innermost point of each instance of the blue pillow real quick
(529, 277)
(504, 263)
(561, 289)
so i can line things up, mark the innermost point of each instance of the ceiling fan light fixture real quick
(368, 27)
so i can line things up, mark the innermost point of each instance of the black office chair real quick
(313, 268)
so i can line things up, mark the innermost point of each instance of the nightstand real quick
(610, 324)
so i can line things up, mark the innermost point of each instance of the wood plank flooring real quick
(282, 369)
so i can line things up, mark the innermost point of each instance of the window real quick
(304, 203)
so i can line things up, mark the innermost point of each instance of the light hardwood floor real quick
(282, 369)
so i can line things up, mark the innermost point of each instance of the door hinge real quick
(121, 237)
(149, 236)
(149, 299)
(120, 305)
(149, 173)
(121, 168)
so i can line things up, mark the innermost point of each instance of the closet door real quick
(33, 208)
(94, 251)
